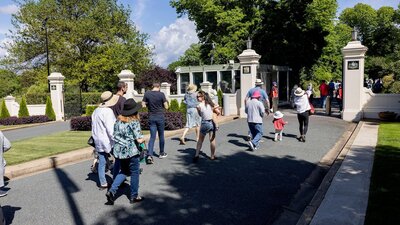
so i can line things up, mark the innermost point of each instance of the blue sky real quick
(169, 35)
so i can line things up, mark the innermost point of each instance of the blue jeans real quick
(132, 164)
(256, 130)
(101, 171)
(157, 124)
(116, 168)
(323, 101)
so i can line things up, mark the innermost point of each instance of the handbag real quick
(142, 150)
(312, 110)
(91, 142)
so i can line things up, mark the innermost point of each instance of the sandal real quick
(182, 141)
(215, 158)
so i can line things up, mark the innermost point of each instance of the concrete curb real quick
(46, 163)
(27, 125)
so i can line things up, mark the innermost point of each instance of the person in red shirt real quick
(339, 97)
(274, 97)
(323, 89)
(279, 124)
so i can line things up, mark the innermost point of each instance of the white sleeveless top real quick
(206, 112)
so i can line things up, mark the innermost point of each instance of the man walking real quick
(255, 112)
(274, 97)
(156, 103)
(323, 89)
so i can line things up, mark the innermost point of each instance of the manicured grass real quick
(384, 197)
(39, 147)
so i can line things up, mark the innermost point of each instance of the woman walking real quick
(192, 116)
(205, 109)
(127, 135)
(303, 112)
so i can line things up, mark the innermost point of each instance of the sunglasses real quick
(199, 96)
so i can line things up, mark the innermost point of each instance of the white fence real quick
(373, 104)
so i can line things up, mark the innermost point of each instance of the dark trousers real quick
(303, 122)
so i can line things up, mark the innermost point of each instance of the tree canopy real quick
(90, 42)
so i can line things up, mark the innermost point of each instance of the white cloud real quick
(172, 41)
(138, 11)
(8, 9)
(3, 46)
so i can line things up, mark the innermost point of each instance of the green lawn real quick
(39, 147)
(384, 196)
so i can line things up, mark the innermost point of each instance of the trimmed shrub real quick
(23, 120)
(49, 109)
(4, 111)
(90, 109)
(220, 95)
(173, 120)
(23, 108)
(174, 106)
(83, 123)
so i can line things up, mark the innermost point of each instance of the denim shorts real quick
(206, 127)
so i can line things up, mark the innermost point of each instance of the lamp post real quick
(47, 46)
(248, 43)
(354, 34)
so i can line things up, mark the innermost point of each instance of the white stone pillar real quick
(206, 86)
(57, 94)
(10, 104)
(353, 77)
(218, 80)
(166, 89)
(128, 77)
(248, 67)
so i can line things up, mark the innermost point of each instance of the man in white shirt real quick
(103, 120)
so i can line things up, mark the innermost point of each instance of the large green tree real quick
(10, 83)
(284, 32)
(90, 42)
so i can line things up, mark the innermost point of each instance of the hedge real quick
(13, 120)
(173, 121)
(36, 98)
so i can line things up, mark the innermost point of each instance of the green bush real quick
(174, 106)
(90, 109)
(36, 98)
(23, 108)
(395, 87)
(182, 109)
(49, 110)
(4, 111)
(220, 97)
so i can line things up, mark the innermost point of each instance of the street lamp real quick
(47, 45)
(354, 34)
(248, 43)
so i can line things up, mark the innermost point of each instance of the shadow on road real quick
(69, 187)
(239, 189)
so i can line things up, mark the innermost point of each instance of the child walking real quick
(279, 124)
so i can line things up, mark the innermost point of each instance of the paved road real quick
(29, 132)
(242, 187)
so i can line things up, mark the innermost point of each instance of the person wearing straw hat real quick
(303, 112)
(279, 124)
(127, 134)
(192, 116)
(103, 120)
(255, 111)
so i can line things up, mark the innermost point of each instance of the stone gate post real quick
(248, 74)
(57, 94)
(353, 77)
(128, 77)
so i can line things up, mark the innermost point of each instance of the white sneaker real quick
(251, 145)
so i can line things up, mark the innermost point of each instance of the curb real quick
(54, 161)
(27, 126)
